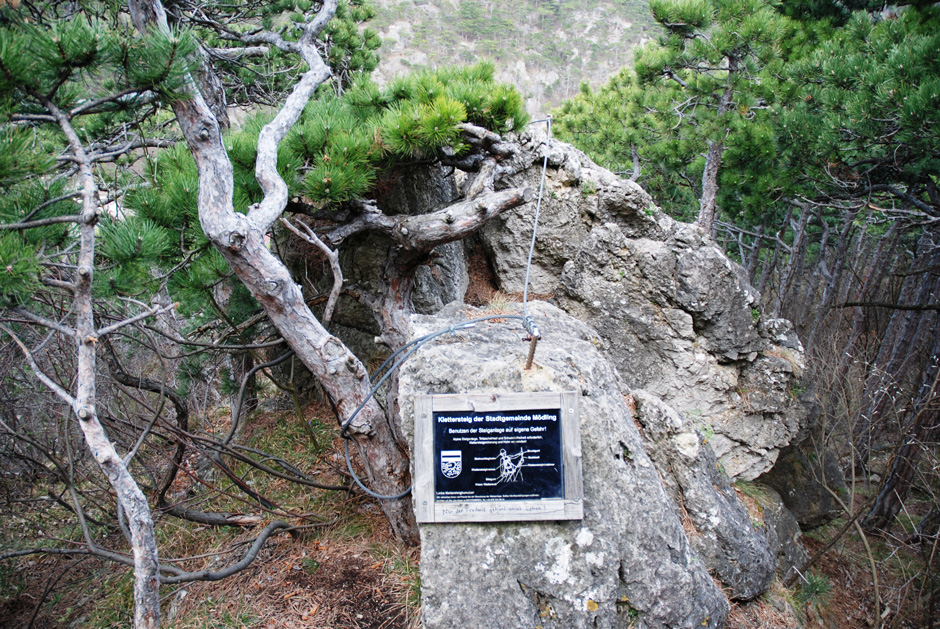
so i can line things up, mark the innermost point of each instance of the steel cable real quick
(411, 347)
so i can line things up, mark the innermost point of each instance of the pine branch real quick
(275, 189)
(45, 204)
(132, 145)
(233, 54)
(152, 311)
(46, 323)
(424, 232)
(43, 222)
(64, 395)
(89, 107)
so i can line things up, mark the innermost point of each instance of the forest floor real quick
(348, 572)
(343, 569)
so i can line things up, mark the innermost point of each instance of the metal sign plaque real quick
(512, 455)
(497, 457)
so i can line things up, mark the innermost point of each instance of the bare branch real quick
(132, 145)
(244, 562)
(46, 323)
(311, 237)
(669, 74)
(492, 142)
(42, 222)
(890, 306)
(89, 106)
(232, 54)
(53, 201)
(275, 190)
(40, 374)
(150, 312)
(424, 232)
(146, 584)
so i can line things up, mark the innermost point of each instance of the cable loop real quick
(404, 352)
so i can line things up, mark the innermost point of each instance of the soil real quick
(350, 573)
(299, 584)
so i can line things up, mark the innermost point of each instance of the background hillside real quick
(546, 48)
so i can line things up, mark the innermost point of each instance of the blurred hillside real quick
(546, 48)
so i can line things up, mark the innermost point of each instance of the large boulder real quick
(807, 473)
(628, 562)
(676, 317)
(678, 321)
(801, 476)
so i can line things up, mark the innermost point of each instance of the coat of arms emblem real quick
(451, 463)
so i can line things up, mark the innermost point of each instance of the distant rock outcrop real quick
(546, 48)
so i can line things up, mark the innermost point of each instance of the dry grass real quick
(346, 571)
(337, 581)
(771, 611)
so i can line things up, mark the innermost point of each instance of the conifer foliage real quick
(824, 117)
(116, 173)
(697, 96)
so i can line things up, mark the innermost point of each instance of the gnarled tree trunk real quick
(241, 241)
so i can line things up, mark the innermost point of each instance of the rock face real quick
(805, 469)
(657, 330)
(675, 316)
(628, 562)
(717, 523)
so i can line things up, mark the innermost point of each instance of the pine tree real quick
(868, 114)
(87, 96)
(828, 150)
(704, 83)
(869, 125)
(67, 84)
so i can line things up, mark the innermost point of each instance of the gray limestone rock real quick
(675, 315)
(783, 532)
(717, 522)
(421, 190)
(443, 280)
(678, 322)
(628, 561)
(507, 238)
(711, 291)
(797, 477)
(807, 467)
(577, 194)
